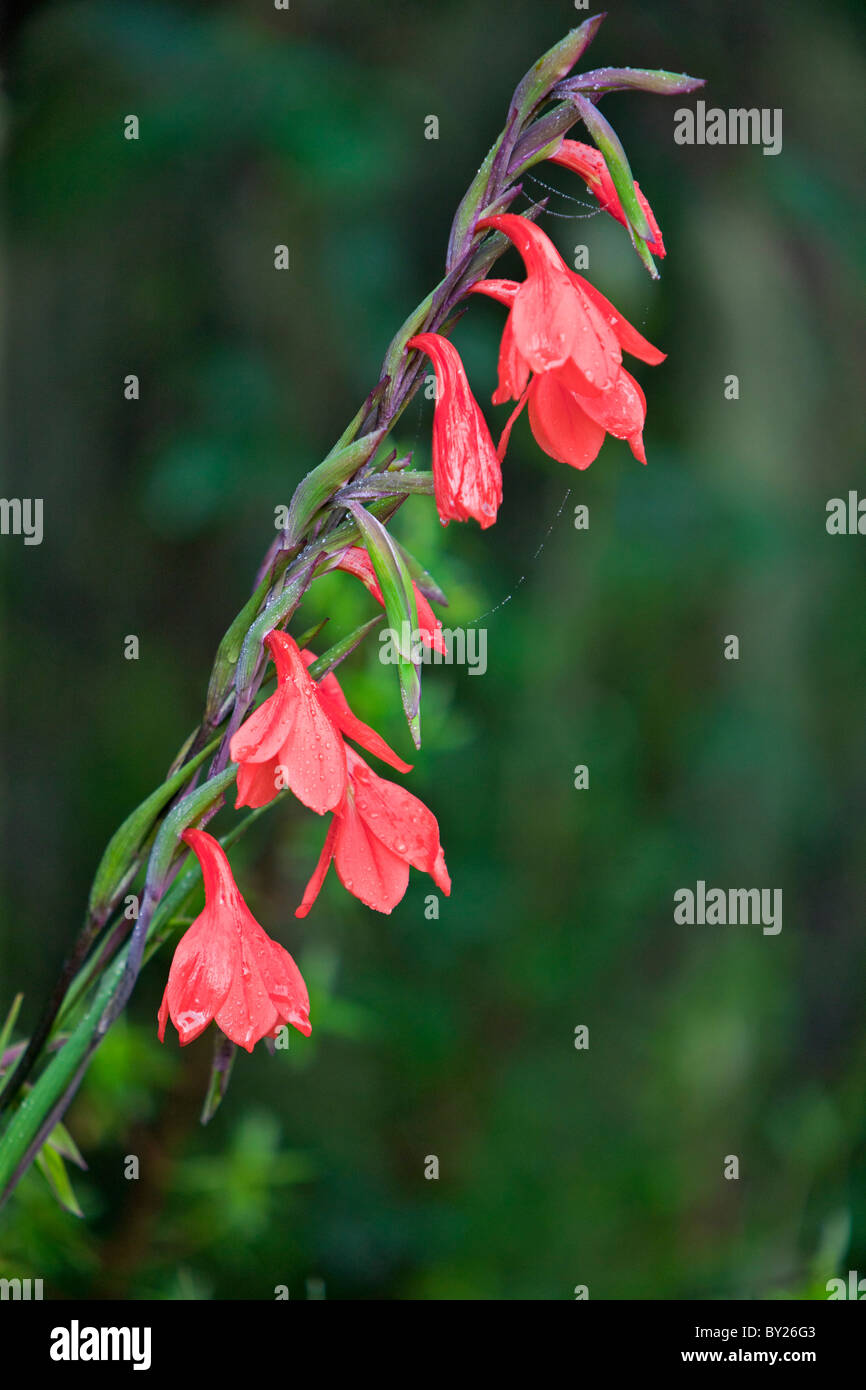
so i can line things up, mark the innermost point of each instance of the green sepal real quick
(401, 609)
(319, 486)
(617, 163)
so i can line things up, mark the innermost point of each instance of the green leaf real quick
(53, 1169)
(279, 608)
(422, 579)
(401, 609)
(610, 145)
(62, 1141)
(311, 634)
(9, 1024)
(191, 809)
(656, 80)
(230, 648)
(320, 485)
(114, 868)
(553, 66)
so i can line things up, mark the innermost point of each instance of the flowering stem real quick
(325, 517)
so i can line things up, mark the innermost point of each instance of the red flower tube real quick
(466, 473)
(226, 969)
(377, 833)
(589, 163)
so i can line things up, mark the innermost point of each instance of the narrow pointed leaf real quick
(53, 1169)
(553, 66)
(421, 578)
(610, 145)
(340, 650)
(62, 1141)
(320, 485)
(401, 609)
(10, 1021)
(600, 80)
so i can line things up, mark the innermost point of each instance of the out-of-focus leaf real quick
(53, 1169)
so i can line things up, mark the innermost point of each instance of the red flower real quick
(569, 422)
(589, 163)
(303, 720)
(554, 322)
(466, 473)
(290, 734)
(377, 833)
(356, 561)
(227, 969)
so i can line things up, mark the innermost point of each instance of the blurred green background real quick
(454, 1037)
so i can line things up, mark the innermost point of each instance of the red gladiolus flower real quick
(554, 322)
(589, 163)
(356, 561)
(378, 832)
(466, 473)
(568, 422)
(289, 732)
(227, 969)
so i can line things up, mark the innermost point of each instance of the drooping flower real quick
(569, 423)
(589, 163)
(227, 969)
(374, 837)
(292, 736)
(466, 473)
(305, 722)
(338, 710)
(553, 321)
(355, 560)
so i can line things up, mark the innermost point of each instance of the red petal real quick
(280, 976)
(513, 368)
(621, 410)
(261, 736)
(629, 339)
(336, 706)
(312, 750)
(397, 818)
(257, 783)
(466, 473)
(207, 958)
(367, 867)
(506, 433)
(561, 427)
(313, 888)
(501, 290)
